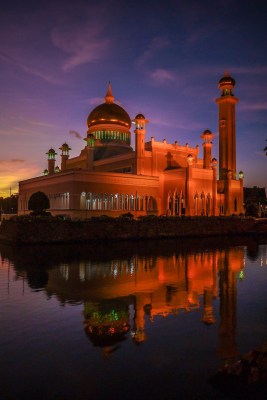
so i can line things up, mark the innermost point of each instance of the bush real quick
(38, 203)
(127, 215)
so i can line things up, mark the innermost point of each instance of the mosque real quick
(109, 177)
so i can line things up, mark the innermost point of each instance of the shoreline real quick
(53, 230)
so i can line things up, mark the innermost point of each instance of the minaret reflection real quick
(230, 264)
(119, 296)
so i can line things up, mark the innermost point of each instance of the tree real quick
(38, 203)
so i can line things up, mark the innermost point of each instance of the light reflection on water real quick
(127, 320)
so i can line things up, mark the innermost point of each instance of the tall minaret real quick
(227, 136)
(140, 133)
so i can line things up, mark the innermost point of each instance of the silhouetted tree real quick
(38, 203)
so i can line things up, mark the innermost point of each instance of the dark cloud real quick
(14, 160)
(76, 134)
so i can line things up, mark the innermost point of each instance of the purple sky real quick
(163, 58)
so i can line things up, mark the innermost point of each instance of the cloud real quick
(250, 70)
(17, 131)
(44, 124)
(85, 44)
(95, 101)
(14, 160)
(24, 131)
(30, 70)
(253, 106)
(157, 44)
(162, 76)
(75, 133)
(260, 153)
(13, 171)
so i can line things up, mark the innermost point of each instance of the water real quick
(128, 320)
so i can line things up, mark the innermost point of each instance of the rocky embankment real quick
(31, 230)
(247, 377)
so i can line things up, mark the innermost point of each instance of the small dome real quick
(51, 151)
(226, 80)
(140, 116)
(207, 132)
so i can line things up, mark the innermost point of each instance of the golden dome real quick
(109, 113)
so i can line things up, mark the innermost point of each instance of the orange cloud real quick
(13, 171)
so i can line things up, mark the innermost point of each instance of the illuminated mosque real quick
(109, 177)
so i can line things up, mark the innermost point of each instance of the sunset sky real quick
(163, 58)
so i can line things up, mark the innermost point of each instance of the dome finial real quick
(109, 96)
(226, 72)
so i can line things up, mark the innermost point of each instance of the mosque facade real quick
(110, 178)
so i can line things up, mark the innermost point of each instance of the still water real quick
(128, 321)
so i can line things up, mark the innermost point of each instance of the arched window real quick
(106, 201)
(146, 203)
(116, 202)
(208, 205)
(122, 202)
(182, 204)
(126, 202)
(235, 205)
(94, 201)
(111, 201)
(100, 201)
(176, 205)
(141, 203)
(89, 201)
(171, 204)
(82, 201)
(132, 203)
(202, 204)
(137, 203)
(196, 204)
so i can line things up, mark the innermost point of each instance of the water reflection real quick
(121, 294)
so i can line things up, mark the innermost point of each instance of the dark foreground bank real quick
(31, 230)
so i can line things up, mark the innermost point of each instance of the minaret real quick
(227, 135)
(51, 160)
(207, 137)
(140, 133)
(64, 155)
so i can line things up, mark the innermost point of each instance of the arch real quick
(100, 201)
(122, 202)
(83, 201)
(116, 201)
(208, 204)
(105, 201)
(196, 203)
(235, 205)
(170, 204)
(183, 203)
(132, 202)
(176, 204)
(203, 204)
(111, 201)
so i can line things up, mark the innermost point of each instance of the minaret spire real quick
(109, 96)
(226, 72)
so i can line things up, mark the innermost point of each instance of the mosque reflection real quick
(123, 289)
(119, 295)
